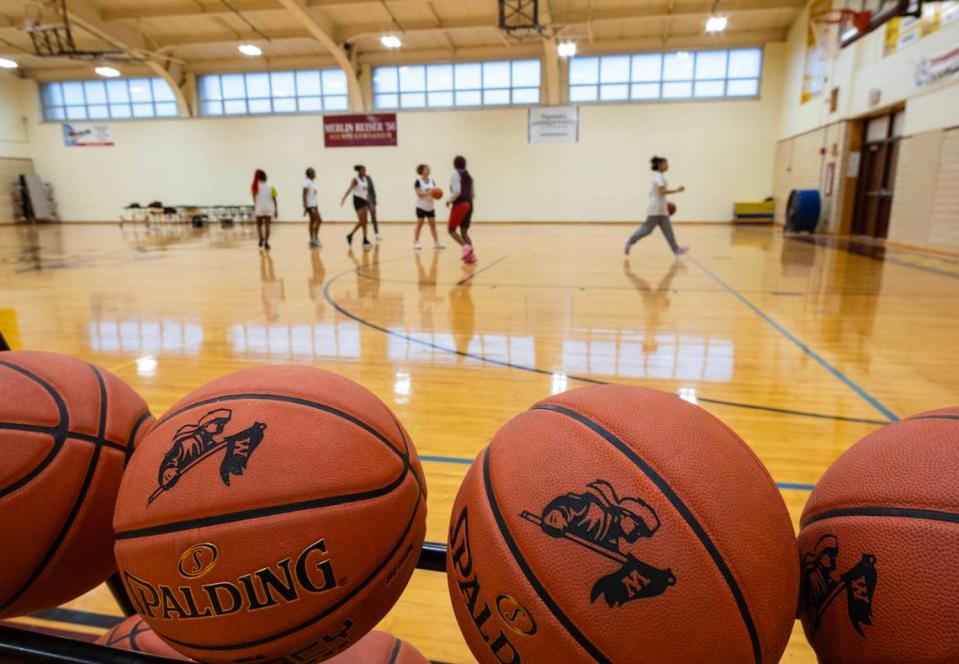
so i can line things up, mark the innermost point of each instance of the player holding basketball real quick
(460, 203)
(425, 206)
(264, 206)
(311, 207)
(657, 210)
(360, 188)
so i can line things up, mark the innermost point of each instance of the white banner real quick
(87, 135)
(556, 124)
(937, 68)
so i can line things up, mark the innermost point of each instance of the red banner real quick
(347, 131)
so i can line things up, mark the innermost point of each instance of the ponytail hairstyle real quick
(258, 177)
(656, 162)
(359, 167)
(420, 169)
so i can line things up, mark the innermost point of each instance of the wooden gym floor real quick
(801, 346)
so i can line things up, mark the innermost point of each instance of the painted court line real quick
(868, 398)
(480, 271)
(785, 486)
(581, 379)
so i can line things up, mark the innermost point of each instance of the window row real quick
(608, 78)
(120, 98)
(450, 85)
(677, 75)
(273, 92)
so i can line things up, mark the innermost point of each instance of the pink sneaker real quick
(681, 251)
(466, 251)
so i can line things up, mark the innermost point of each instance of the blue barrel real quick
(803, 210)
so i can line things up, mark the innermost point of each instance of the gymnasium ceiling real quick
(203, 35)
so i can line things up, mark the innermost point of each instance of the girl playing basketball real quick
(425, 206)
(311, 207)
(360, 188)
(657, 210)
(264, 206)
(461, 204)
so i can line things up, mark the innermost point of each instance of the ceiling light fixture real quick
(107, 72)
(716, 24)
(7, 64)
(391, 41)
(250, 50)
(566, 49)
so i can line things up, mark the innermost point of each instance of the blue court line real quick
(794, 486)
(544, 372)
(846, 247)
(871, 400)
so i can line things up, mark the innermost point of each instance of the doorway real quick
(877, 174)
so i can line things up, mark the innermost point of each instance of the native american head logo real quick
(821, 584)
(193, 443)
(601, 522)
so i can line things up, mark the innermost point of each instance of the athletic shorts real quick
(423, 214)
(313, 210)
(461, 216)
(359, 203)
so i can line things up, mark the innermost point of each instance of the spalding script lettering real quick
(461, 560)
(282, 583)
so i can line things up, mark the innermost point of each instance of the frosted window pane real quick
(283, 84)
(526, 73)
(308, 83)
(469, 98)
(210, 87)
(257, 86)
(334, 82)
(386, 101)
(677, 90)
(616, 92)
(385, 79)
(745, 87)
(678, 66)
(647, 67)
(233, 87)
(645, 91)
(709, 88)
(583, 93)
(440, 99)
(140, 90)
(710, 65)
(614, 69)
(496, 75)
(583, 70)
(439, 77)
(96, 92)
(745, 63)
(413, 78)
(73, 92)
(469, 76)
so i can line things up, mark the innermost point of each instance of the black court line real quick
(480, 271)
(75, 617)
(582, 379)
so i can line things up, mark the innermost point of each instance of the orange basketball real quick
(275, 512)
(671, 208)
(436, 193)
(620, 524)
(134, 634)
(879, 541)
(66, 430)
(380, 648)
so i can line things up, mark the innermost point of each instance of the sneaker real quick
(349, 239)
(681, 251)
(627, 247)
(319, 242)
(466, 251)
(470, 259)
(266, 245)
(439, 246)
(314, 243)
(261, 242)
(417, 246)
(378, 237)
(367, 244)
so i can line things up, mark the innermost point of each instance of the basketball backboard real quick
(880, 12)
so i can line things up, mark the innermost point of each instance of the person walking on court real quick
(462, 192)
(264, 206)
(371, 204)
(425, 206)
(360, 188)
(311, 207)
(657, 211)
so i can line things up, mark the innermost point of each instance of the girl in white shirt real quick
(425, 206)
(264, 206)
(311, 207)
(360, 188)
(657, 209)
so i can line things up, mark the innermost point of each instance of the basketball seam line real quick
(397, 644)
(133, 434)
(260, 512)
(58, 440)
(54, 547)
(933, 417)
(296, 400)
(323, 614)
(899, 512)
(683, 511)
(69, 435)
(538, 587)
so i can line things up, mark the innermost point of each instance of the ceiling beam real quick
(320, 29)
(84, 14)
(239, 36)
(567, 18)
